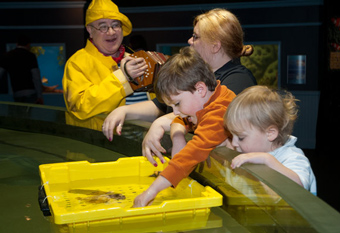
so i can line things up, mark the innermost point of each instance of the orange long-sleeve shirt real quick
(208, 134)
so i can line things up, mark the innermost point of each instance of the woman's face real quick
(107, 42)
(201, 46)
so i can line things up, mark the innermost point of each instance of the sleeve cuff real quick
(126, 85)
(173, 174)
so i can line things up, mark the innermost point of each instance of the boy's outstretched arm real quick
(267, 159)
(177, 134)
(148, 195)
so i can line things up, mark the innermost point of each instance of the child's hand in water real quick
(149, 195)
(144, 199)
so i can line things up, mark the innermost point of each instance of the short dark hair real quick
(181, 72)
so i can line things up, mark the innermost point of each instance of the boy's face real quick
(186, 104)
(251, 139)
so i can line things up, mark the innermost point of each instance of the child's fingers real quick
(236, 162)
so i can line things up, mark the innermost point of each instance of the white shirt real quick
(294, 158)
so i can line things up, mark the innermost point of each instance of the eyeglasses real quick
(195, 37)
(105, 28)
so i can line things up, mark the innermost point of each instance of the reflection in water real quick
(21, 154)
(94, 123)
(244, 185)
(129, 131)
(251, 202)
(76, 156)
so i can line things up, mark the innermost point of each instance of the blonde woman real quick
(218, 38)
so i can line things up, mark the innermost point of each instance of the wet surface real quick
(21, 154)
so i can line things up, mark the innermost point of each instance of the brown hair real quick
(222, 25)
(260, 107)
(181, 72)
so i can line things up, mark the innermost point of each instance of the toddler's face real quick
(186, 104)
(251, 139)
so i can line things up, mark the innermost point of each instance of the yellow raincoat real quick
(93, 84)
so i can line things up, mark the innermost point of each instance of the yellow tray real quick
(202, 221)
(83, 191)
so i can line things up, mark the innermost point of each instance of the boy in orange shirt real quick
(187, 84)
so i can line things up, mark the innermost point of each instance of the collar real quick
(116, 59)
(121, 54)
(215, 94)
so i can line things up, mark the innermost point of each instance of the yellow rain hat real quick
(106, 9)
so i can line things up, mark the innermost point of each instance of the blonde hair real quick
(222, 25)
(261, 107)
